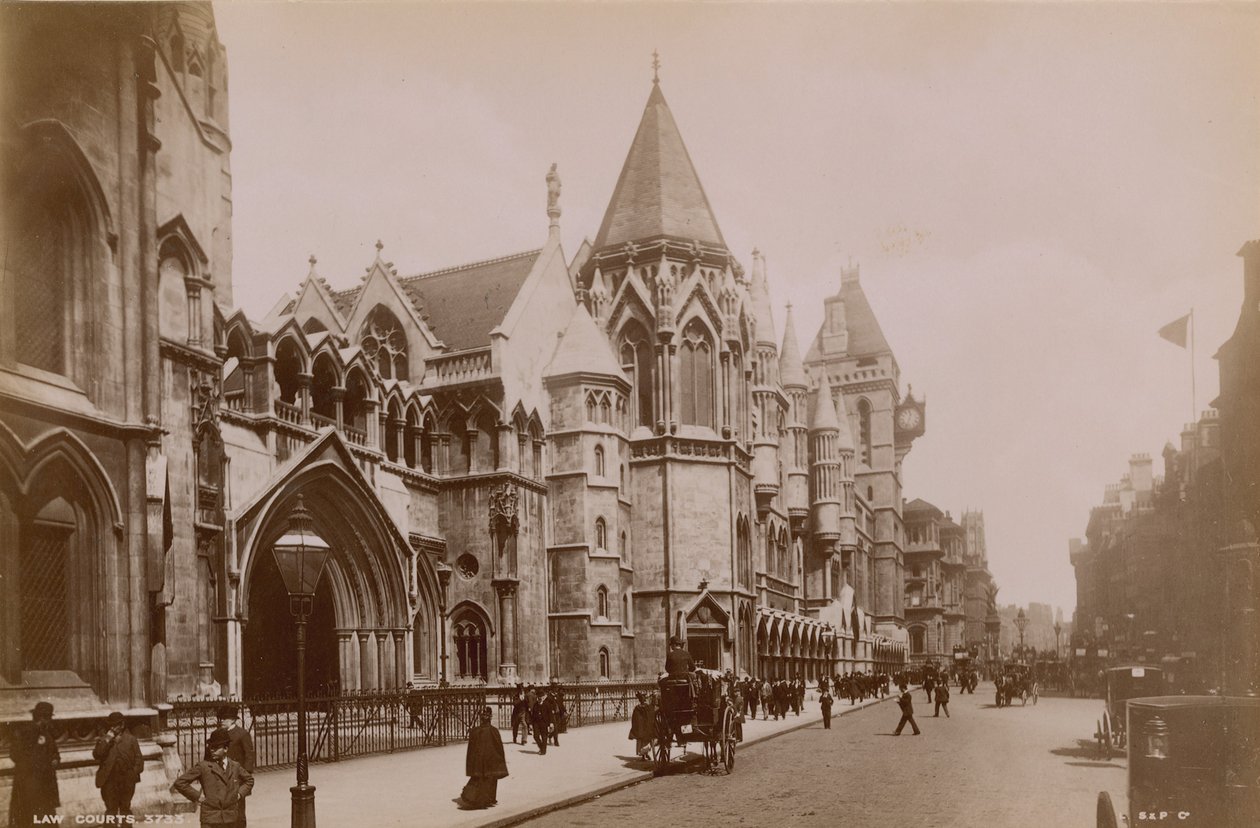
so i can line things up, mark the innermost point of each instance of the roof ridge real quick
(470, 265)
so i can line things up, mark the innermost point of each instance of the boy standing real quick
(224, 783)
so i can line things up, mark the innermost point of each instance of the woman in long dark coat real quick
(643, 726)
(485, 764)
(35, 761)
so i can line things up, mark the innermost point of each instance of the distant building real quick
(934, 600)
(978, 583)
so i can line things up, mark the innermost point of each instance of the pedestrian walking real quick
(767, 699)
(929, 684)
(824, 701)
(484, 764)
(223, 783)
(753, 697)
(35, 762)
(642, 726)
(520, 715)
(559, 715)
(942, 701)
(542, 722)
(906, 703)
(121, 764)
(240, 748)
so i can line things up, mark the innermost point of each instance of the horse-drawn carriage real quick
(698, 710)
(1016, 681)
(1119, 685)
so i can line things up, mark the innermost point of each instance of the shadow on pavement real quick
(1085, 749)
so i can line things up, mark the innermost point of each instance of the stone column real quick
(725, 393)
(304, 395)
(506, 590)
(401, 674)
(348, 667)
(503, 434)
(385, 659)
(417, 447)
(339, 405)
(367, 660)
(247, 374)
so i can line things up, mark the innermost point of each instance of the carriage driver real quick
(678, 662)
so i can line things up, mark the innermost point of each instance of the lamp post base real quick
(303, 806)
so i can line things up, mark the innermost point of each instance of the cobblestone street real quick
(1018, 766)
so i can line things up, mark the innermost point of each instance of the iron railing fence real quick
(350, 724)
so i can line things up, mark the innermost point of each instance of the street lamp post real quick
(1021, 624)
(1058, 631)
(300, 556)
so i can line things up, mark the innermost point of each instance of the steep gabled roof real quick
(865, 337)
(658, 192)
(583, 349)
(461, 305)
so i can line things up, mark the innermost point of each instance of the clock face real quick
(908, 419)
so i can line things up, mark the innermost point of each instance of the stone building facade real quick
(530, 466)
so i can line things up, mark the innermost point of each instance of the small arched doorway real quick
(468, 634)
(269, 640)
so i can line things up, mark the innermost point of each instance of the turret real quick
(794, 450)
(768, 399)
(826, 505)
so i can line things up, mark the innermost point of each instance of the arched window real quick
(393, 431)
(470, 647)
(621, 477)
(599, 461)
(288, 366)
(601, 603)
(637, 360)
(384, 342)
(622, 547)
(426, 445)
(917, 644)
(601, 534)
(50, 262)
(743, 552)
(626, 621)
(355, 406)
(864, 430)
(173, 269)
(604, 663)
(696, 375)
(323, 381)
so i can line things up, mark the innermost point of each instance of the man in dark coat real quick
(224, 783)
(942, 700)
(825, 701)
(906, 703)
(520, 715)
(541, 719)
(484, 764)
(121, 765)
(35, 761)
(240, 747)
(929, 684)
(678, 662)
(643, 726)
(752, 695)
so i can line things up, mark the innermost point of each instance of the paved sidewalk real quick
(419, 787)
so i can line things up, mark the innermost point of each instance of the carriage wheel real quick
(662, 755)
(1106, 812)
(728, 742)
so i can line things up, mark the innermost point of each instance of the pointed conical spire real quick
(658, 192)
(824, 410)
(791, 370)
(759, 291)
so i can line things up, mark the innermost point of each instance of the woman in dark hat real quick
(35, 761)
(485, 764)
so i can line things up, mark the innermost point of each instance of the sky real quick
(1030, 191)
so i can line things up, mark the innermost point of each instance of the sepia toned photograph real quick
(576, 414)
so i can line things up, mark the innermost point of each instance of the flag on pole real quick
(1175, 331)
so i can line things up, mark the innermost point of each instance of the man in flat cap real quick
(35, 761)
(118, 751)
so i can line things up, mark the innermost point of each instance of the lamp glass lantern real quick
(300, 553)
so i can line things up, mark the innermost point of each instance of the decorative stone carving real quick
(503, 517)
